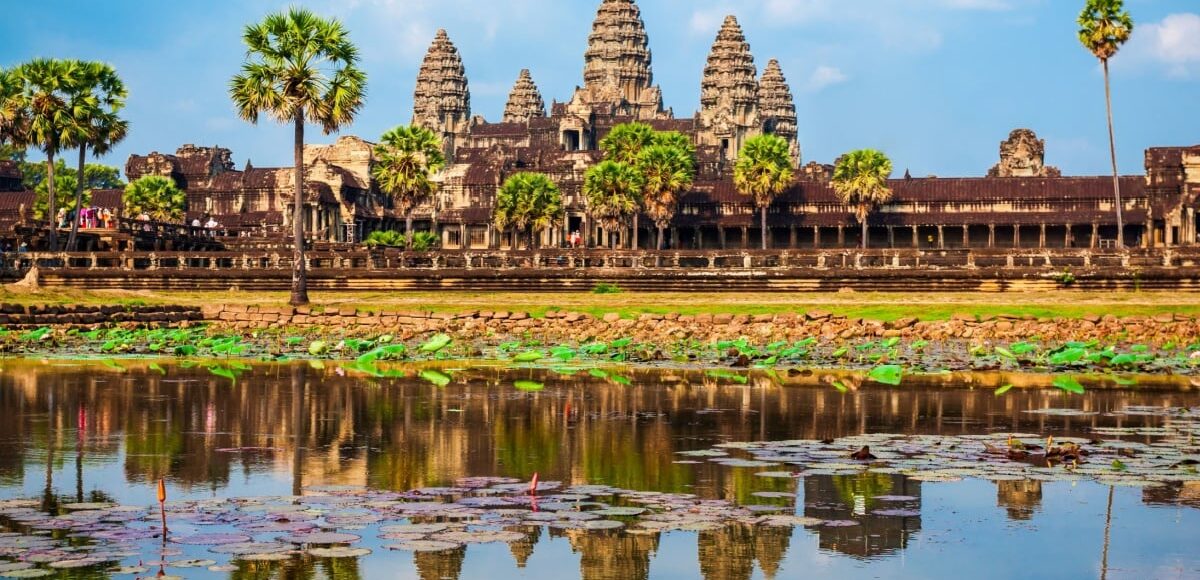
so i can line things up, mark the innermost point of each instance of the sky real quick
(936, 84)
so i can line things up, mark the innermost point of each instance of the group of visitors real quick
(90, 218)
(209, 223)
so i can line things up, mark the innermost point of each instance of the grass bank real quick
(877, 306)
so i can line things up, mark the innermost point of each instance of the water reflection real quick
(77, 433)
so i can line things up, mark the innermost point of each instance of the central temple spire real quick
(442, 100)
(617, 62)
(729, 92)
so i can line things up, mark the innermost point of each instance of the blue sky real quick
(935, 83)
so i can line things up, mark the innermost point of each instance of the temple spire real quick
(729, 91)
(524, 102)
(777, 107)
(617, 62)
(442, 100)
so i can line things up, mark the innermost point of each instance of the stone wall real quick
(665, 329)
(20, 316)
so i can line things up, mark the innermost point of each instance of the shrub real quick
(606, 288)
(421, 241)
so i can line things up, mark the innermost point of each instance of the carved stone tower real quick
(777, 108)
(442, 101)
(729, 93)
(524, 102)
(616, 68)
(1023, 155)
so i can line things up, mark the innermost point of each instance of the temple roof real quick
(730, 83)
(776, 105)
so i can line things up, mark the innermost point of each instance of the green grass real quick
(931, 306)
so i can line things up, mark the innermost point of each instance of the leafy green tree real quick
(157, 197)
(1104, 26)
(39, 98)
(97, 100)
(299, 67)
(530, 203)
(763, 170)
(613, 192)
(861, 179)
(667, 171)
(12, 117)
(95, 175)
(405, 160)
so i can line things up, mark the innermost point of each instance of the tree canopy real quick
(528, 202)
(157, 197)
(405, 160)
(763, 171)
(613, 192)
(1104, 26)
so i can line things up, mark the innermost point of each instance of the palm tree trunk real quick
(299, 269)
(78, 199)
(1112, 148)
(764, 227)
(863, 219)
(634, 241)
(660, 238)
(531, 242)
(408, 230)
(51, 209)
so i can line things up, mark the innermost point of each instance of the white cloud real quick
(825, 76)
(1173, 44)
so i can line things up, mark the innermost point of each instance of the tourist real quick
(196, 223)
(62, 217)
(211, 225)
(23, 248)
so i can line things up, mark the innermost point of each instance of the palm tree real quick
(12, 112)
(43, 96)
(613, 192)
(763, 170)
(299, 67)
(1104, 26)
(157, 197)
(666, 171)
(98, 98)
(406, 157)
(861, 179)
(529, 202)
(625, 142)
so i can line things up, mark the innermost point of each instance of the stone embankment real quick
(663, 329)
(22, 316)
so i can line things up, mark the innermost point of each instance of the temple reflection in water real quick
(308, 426)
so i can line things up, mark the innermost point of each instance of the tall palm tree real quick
(44, 89)
(1104, 26)
(405, 159)
(624, 144)
(667, 171)
(613, 192)
(763, 170)
(97, 101)
(529, 202)
(861, 179)
(12, 111)
(299, 67)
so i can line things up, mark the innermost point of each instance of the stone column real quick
(941, 237)
(1016, 236)
(722, 236)
(916, 237)
(991, 235)
(791, 237)
(1069, 238)
(1095, 235)
(891, 236)
(699, 239)
(841, 242)
(1042, 237)
(746, 238)
(966, 237)
(816, 237)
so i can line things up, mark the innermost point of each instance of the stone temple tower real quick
(524, 102)
(616, 67)
(442, 101)
(777, 107)
(729, 111)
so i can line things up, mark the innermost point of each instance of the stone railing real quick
(700, 260)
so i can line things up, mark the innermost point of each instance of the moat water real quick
(236, 445)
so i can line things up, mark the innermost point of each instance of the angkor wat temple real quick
(1021, 203)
